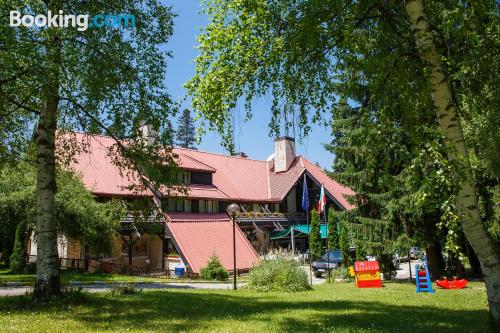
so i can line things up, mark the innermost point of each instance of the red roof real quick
(96, 167)
(200, 236)
(336, 190)
(234, 178)
(241, 179)
(199, 191)
(364, 266)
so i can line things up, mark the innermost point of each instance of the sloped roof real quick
(200, 236)
(335, 189)
(234, 178)
(239, 178)
(93, 163)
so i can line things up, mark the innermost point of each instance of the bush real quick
(279, 274)
(17, 258)
(125, 289)
(341, 273)
(214, 270)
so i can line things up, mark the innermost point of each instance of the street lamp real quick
(233, 209)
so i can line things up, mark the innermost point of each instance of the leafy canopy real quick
(78, 214)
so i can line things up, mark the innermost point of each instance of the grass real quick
(66, 277)
(328, 308)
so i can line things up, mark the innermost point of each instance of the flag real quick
(322, 200)
(305, 195)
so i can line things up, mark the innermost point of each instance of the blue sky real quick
(252, 137)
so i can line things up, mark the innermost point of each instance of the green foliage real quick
(340, 273)
(78, 214)
(280, 274)
(214, 270)
(310, 61)
(345, 246)
(333, 233)
(104, 90)
(125, 289)
(186, 131)
(315, 246)
(18, 257)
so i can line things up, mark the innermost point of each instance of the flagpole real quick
(305, 207)
(309, 239)
(327, 249)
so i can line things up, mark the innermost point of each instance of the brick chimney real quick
(284, 153)
(147, 133)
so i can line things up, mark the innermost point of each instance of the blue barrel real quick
(179, 271)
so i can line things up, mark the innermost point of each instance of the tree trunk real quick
(447, 114)
(47, 281)
(475, 265)
(435, 260)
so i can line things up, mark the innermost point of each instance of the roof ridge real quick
(220, 154)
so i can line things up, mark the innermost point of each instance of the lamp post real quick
(233, 209)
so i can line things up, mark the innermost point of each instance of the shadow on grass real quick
(185, 311)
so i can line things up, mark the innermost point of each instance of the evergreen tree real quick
(333, 234)
(360, 142)
(374, 156)
(315, 248)
(186, 130)
(18, 257)
(345, 246)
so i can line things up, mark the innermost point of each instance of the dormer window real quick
(204, 178)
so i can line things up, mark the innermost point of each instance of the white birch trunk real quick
(47, 281)
(449, 122)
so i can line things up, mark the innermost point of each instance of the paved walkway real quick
(103, 287)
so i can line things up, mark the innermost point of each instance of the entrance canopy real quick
(300, 230)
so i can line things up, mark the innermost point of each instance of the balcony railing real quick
(274, 220)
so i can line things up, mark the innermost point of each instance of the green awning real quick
(299, 229)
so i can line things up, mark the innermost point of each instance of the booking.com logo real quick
(81, 22)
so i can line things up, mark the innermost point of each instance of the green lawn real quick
(329, 308)
(6, 276)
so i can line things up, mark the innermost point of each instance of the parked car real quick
(396, 260)
(416, 253)
(332, 259)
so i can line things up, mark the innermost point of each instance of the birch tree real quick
(74, 78)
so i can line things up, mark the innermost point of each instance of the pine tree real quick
(333, 234)
(345, 245)
(186, 131)
(362, 163)
(315, 247)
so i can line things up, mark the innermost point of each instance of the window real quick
(184, 177)
(195, 206)
(187, 206)
(201, 178)
(223, 206)
(202, 206)
(168, 205)
(179, 205)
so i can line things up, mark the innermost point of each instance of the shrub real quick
(341, 273)
(124, 289)
(279, 274)
(344, 247)
(315, 246)
(17, 258)
(214, 270)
